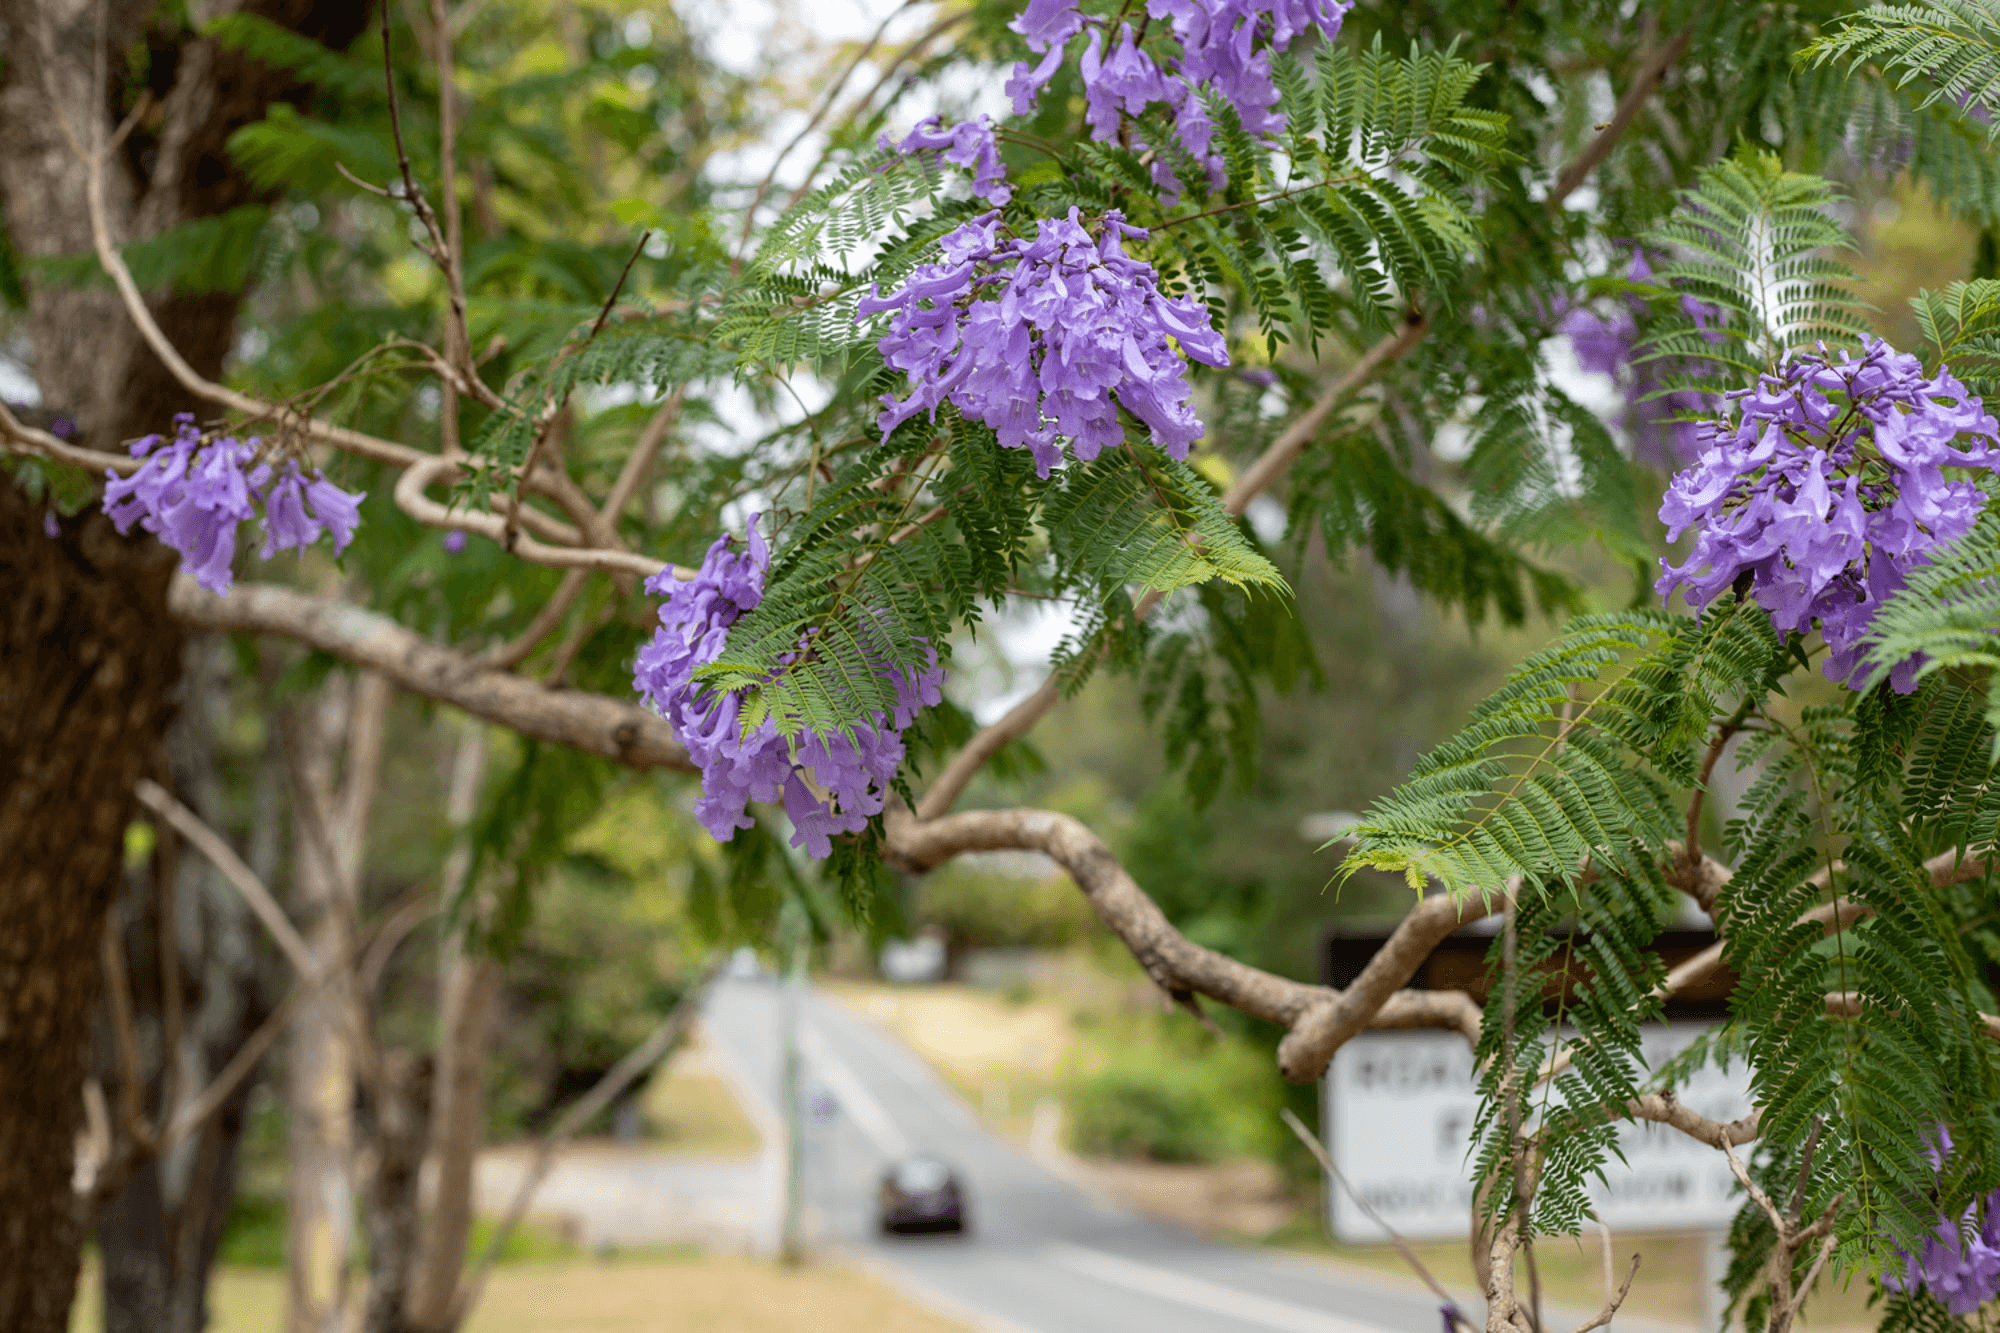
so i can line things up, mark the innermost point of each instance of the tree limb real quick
(624, 732)
(1646, 78)
(1176, 964)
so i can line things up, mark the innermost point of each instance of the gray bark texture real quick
(89, 650)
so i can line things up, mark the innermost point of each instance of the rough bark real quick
(91, 367)
(88, 659)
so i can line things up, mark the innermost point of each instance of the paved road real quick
(1043, 1256)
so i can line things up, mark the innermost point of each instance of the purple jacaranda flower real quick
(1958, 1263)
(193, 494)
(1046, 339)
(454, 543)
(298, 512)
(1602, 342)
(830, 785)
(968, 144)
(63, 428)
(1825, 489)
(1225, 47)
(1127, 80)
(190, 495)
(50, 528)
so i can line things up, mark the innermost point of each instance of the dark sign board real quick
(1459, 963)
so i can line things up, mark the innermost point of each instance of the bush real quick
(1144, 1109)
(1171, 1105)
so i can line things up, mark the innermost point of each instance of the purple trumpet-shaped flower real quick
(193, 495)
(1827, 487)
(297, 512)
(1046, 339)
(1225, 47)
(968, 144)
(829, 784)
(1962, 1271)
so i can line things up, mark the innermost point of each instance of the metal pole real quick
(792, 937)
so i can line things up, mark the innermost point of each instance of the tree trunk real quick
(88, 660)
(398, 1118)
(87, 650)
(468, 985)
(324, 1054)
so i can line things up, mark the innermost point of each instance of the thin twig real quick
(812, 123)
(621, 1076)
(512, 529)
(1402, 1247)
(240, 876)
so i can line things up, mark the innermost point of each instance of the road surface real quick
(1043, 1256)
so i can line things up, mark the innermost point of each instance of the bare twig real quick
(240, 876)
(812, 123)
(553, 411)
(1402, 1247)
(23, 438)
(412, 500)
(1651, 70)
(1603, 1317)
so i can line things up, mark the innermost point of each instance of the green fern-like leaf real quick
(1546, 779)
(1755, 245)
(1950, 48)
(1132, 518)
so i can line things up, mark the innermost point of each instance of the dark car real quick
(921, 1194)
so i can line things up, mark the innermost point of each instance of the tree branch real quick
(1180, 967)
(1647, 77)
(624, 732)
(1325, 1028)
(240, 876)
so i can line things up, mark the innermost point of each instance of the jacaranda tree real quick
(1221, 254)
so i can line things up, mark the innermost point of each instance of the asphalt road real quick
(1042, 1255)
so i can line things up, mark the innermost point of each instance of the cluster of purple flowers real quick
(968, 144)
(1827, 488)
(1962, 1273)
(829, 784)
(193, 493)
(1220, 49)
(1046, 339)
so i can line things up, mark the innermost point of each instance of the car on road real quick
(920, 1194)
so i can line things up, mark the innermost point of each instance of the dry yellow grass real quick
(697, 1113)
(636, 1295)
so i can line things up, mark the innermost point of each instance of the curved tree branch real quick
(1180, 967)
(593, 723)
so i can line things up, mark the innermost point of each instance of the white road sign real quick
(1400, 1107)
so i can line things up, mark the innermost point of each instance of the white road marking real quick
(1152, 1280)
(847, 1088)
